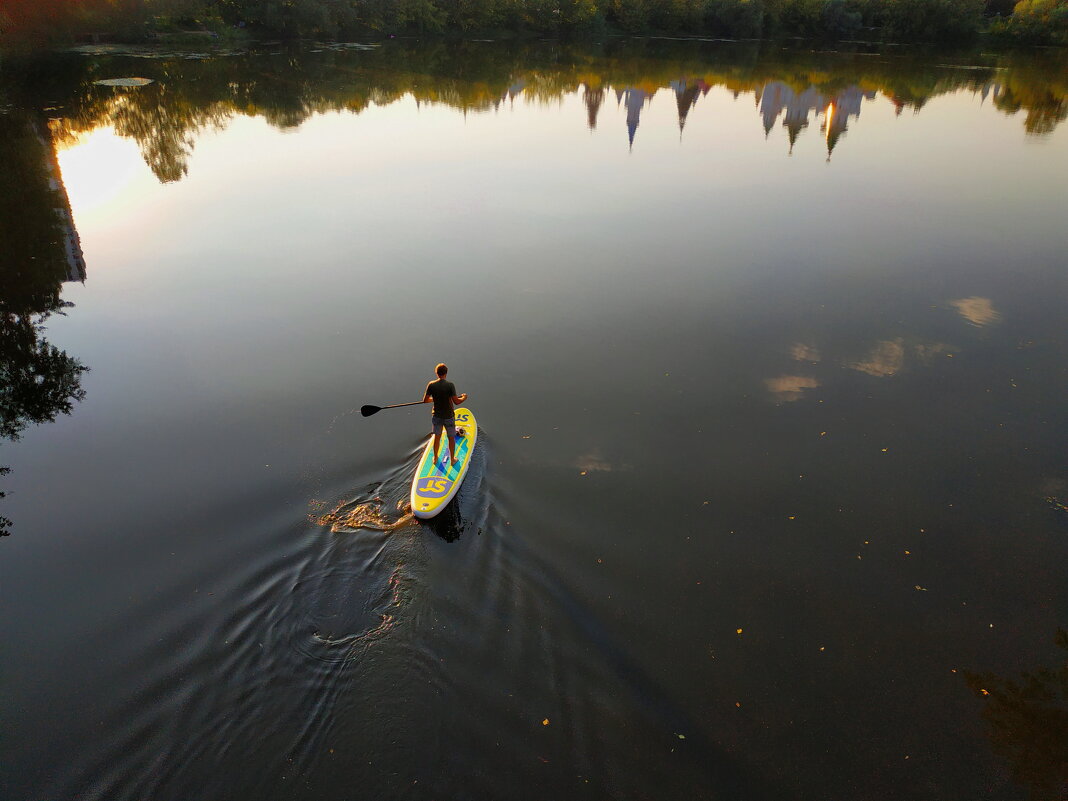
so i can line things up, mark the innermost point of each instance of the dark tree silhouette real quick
(38, 381)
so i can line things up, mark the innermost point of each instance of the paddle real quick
(367, 411)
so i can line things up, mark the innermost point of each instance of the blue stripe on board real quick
(432, 463)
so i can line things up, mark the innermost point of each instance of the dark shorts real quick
(449, 423)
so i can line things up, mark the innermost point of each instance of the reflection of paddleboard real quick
(436, 480)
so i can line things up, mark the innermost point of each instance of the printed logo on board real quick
(433, 487)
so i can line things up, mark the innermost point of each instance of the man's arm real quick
(426, 395)
(459, 398)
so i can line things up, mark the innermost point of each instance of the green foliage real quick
(43, 21)
(631, 16)
(471, 15)
(581, 15)
(931, 20)
(420, 15)
(676, 16)
(999, 8)
(840, 20)
(1037, 22)
(834, 19)
(741, 19)
(797, 16)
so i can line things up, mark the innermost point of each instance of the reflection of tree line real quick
(286, 88)
(38, 381)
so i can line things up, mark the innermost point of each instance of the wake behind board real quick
(436, 481)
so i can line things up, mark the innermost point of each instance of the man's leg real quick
(437, 440)
(452, 444)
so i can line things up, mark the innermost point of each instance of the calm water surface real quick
(767, 346)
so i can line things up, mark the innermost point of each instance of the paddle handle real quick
(398, 405)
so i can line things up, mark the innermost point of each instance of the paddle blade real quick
(367, 411)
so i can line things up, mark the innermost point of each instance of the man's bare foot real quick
(455, 462)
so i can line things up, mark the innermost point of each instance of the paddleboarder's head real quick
(441, 370)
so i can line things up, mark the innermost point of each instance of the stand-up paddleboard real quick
(436, 481)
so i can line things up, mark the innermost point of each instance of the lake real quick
(768, 352)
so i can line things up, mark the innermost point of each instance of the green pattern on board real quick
(440, 466)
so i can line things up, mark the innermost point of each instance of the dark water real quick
(768, 351)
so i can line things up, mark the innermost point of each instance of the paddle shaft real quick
(398, 405)
(367, 411)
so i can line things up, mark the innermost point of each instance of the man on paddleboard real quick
(443, 393)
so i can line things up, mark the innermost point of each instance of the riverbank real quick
(29, 25)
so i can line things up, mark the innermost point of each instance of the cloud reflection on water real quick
(805, 353)
(884, 360)
(977, 311)
(788, 388)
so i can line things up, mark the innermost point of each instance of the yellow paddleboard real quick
(436, 481)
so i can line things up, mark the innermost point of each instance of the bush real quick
(798, 17)
(682, 16)
(931, 20)
(742, 19)
(631, 16)
(1038, 21)
(839, 21)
